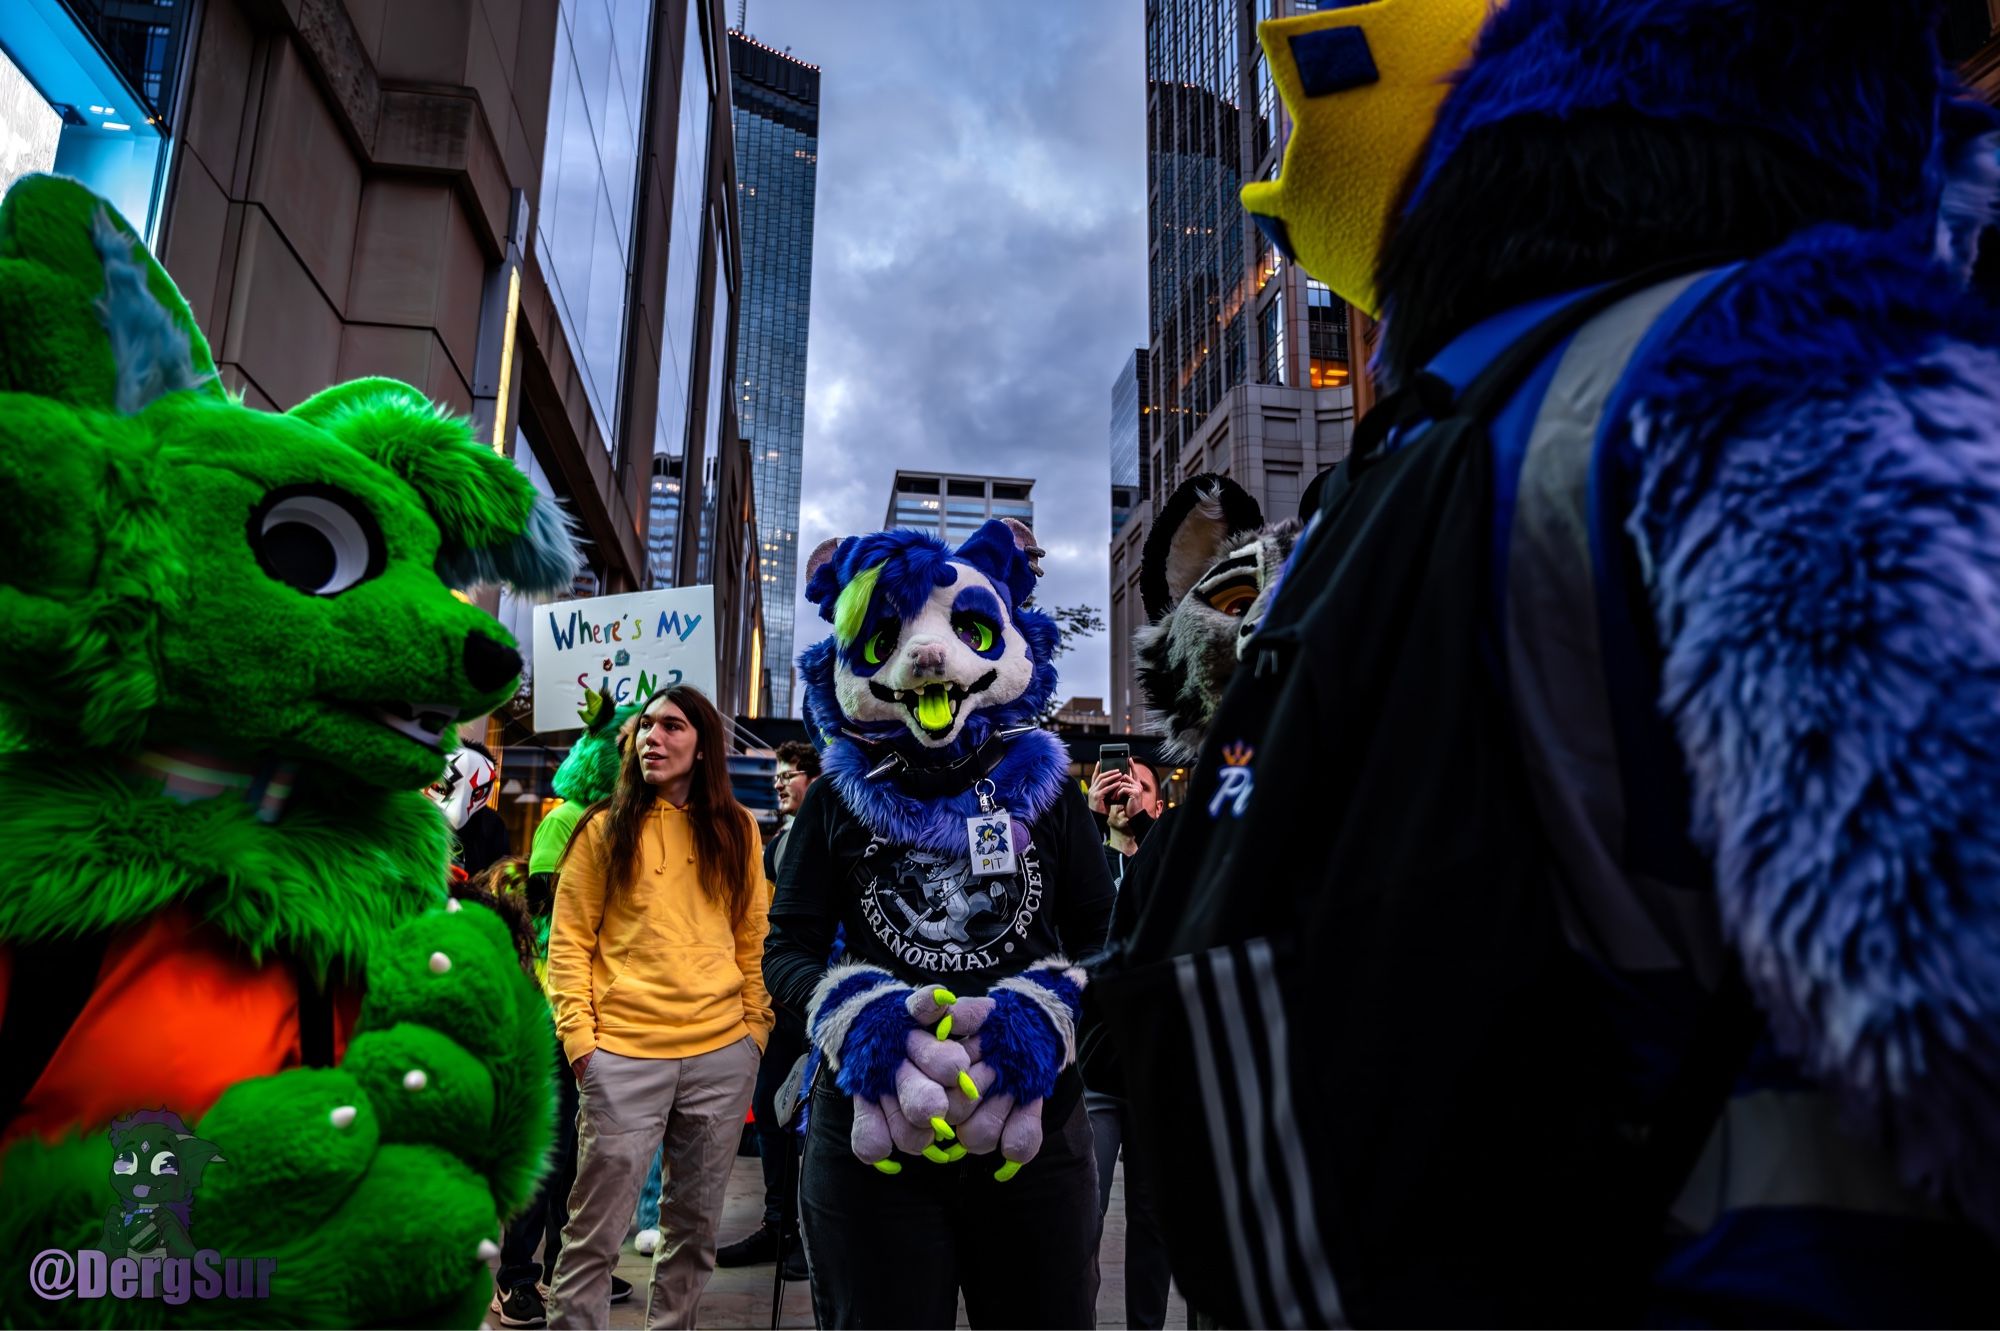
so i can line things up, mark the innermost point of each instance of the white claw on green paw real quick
(488, 1250)
(415, 1080)
(440, 963)
(342, 1117)
(454, 906)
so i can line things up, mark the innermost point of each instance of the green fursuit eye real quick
(975, 631)
(878, 647)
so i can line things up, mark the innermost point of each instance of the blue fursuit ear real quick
(993, 551)
(1853, 84)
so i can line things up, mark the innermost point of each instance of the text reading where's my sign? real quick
(624, 646)
(621, 629)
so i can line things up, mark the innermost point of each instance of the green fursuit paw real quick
(379, 1194)
(380, 1186)
(456, 975)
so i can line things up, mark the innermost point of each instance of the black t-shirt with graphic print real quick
(923, 915)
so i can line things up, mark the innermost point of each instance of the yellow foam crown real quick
(1363, 84)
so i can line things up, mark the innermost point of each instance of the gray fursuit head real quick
(1206, 576)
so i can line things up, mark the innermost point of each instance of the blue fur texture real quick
(1025, 1049)
(1820, 463)
(875, 1046)
(1029, 777)
(151, 350)
(1851, 83)
(1970, 201)
(544, 560)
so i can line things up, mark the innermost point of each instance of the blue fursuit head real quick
(936, 667)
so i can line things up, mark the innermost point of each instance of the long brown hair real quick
(720, 825)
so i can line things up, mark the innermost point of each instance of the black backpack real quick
(1366, 1077)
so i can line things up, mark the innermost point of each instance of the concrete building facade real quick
(953, 506)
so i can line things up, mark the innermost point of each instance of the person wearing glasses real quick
(798, 768)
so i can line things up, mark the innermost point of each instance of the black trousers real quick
(545, 1217)
(1148, 1274)
(775, 1144)
(891, 1251)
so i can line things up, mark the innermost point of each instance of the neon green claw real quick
(957, 1151)
(968, 1085)
(942, 1128)
(943, 997)
(944, 1027)
(935, 1154)
(1007, 1171)
(889, 1166)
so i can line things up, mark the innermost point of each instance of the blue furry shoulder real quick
(1820, 507)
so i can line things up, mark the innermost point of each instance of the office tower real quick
(1249, 364)
(776, 116)
(952, 507)
(1131, 403)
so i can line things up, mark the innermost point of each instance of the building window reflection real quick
(590, 172)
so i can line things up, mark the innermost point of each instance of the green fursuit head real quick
(181, 573)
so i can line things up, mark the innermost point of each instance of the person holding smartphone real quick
(1125, 795)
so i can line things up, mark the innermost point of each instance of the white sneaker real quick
(647, 1241)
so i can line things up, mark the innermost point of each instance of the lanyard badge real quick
(989, 835)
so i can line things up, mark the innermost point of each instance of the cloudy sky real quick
(979, 262)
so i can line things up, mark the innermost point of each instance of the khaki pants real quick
(629, 1106)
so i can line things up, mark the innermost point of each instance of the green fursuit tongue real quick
(934, 708)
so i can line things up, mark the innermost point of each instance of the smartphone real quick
(1114, 758)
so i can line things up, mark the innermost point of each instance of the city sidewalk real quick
(742, 1297)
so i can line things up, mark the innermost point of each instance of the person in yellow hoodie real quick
(655, 965)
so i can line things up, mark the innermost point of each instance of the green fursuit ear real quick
(497, 527)
(54, 300)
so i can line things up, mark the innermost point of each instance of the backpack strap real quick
(1650, 767)
(48, 985)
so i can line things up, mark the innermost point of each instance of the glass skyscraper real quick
(1226, 309)
(776, 116)
(1131, 404)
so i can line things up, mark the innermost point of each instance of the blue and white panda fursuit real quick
(949, 1027)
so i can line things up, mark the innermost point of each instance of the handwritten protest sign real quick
(626, 646)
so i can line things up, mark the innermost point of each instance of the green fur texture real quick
(852, 607)
(589, 771)
(132, 604)
(375, 1223)
(141, 607)
(90, 850)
